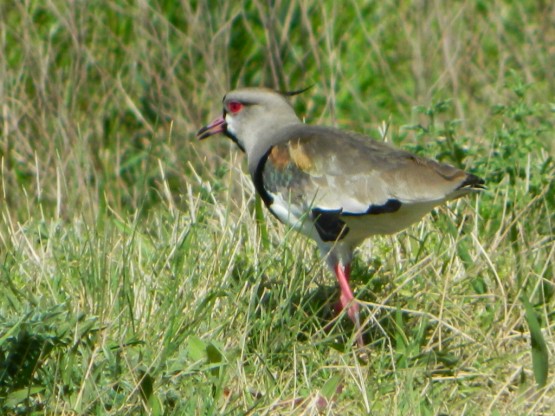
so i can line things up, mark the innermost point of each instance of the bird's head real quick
(250, 116)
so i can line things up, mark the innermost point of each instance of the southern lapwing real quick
(336, 187)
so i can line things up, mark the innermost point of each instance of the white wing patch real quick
(293, 216)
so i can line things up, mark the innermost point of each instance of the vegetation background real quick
(138, 275)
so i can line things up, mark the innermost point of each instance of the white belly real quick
(360, 226)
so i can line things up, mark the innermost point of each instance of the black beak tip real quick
(217, 126)
(202, 133)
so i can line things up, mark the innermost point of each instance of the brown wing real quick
(333, 170)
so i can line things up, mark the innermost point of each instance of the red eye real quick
(234, 106)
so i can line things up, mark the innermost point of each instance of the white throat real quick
(232, 128)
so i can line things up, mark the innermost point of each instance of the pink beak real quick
(217, 126)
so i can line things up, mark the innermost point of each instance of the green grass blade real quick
(540, 356)
(261, 224)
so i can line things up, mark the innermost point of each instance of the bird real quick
(336, 187)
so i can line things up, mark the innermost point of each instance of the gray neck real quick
(266, 136)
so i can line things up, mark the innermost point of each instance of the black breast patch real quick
(258, 180)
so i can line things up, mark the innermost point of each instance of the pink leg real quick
(347, 299)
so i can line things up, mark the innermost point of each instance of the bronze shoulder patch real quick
(279, 157)
(299, 156)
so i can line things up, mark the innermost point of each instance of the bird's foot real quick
(354, 314)
(353, 311)
(347, 299)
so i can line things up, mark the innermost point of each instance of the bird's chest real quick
(290, 195)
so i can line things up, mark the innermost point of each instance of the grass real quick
(136, 278)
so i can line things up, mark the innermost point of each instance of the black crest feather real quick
(296, 92)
